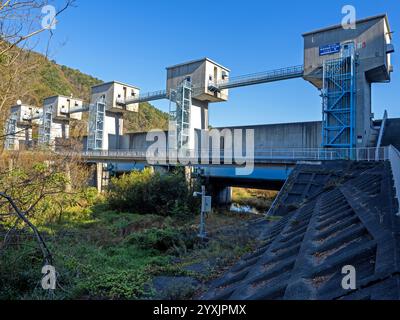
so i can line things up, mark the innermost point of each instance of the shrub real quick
(20, 270)
(115, 284)
(148, 193)
(169, 239)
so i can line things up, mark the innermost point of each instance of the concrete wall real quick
(21, 111)
(216, 73)
(286, 135)
(59, 130)
(113, 91)
(63, 103)
(391, 135)
(198, 120)
(113, 130)
(201, 72)
(131, 141)
(176, 74)
(370, 41)
(23, 139)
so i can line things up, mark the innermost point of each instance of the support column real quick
(68, 186)
(118, 130)
(363, 111)
(99, 177)
(199, 120)
(224, 196)
(188, 177)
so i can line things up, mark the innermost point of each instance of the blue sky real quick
(133, 41)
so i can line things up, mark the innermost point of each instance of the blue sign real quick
(329, 49)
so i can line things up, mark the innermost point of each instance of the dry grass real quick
(259, 199)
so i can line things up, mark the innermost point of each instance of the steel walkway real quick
(258, 78)
(235, 82)
(150, 96)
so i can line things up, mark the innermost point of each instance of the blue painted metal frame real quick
(266, 173)
(339, 100)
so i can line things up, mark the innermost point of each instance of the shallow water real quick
(238, 208)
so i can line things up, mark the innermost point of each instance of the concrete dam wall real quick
(284, 135)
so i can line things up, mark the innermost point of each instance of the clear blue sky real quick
(133, 42)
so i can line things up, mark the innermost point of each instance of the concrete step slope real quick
(391, 135)
(350, 220)
(309, 180)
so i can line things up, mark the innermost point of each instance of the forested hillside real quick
(50, 78)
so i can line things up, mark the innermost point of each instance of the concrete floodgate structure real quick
(341, 175)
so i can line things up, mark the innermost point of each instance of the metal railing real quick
(150, 96)
(84, 108)
(260, 77)
(382, 129)
(394, 157)
(259, 155)
(277, 198)
(31, 117)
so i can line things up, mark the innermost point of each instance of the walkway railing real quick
(146, 97)
(382, 129)
(394, 157)
(261, 77)
(260, 154)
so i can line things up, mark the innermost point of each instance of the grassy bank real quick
(258, 199)
(106, 254)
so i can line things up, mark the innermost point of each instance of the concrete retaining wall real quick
(286, 135)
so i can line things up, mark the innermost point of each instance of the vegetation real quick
(103, 247)
(102, 250)
(259, 199)
(148, 118)
(18, 64)
(48, 79)
(104, 254)
(52, 79)
(147, 192)
(39, 78)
